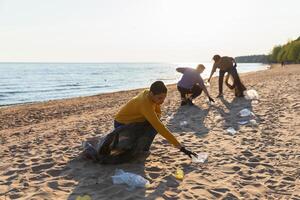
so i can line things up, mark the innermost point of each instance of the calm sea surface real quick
(32, 82)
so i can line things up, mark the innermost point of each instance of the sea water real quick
(34, 82)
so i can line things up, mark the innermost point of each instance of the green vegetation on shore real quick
(289, 52)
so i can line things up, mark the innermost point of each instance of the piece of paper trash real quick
(246, 112)
(131, 179)
(243, 122)
(231, 131)
(200, 158)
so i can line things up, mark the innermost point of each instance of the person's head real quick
(216, 58)
(158, 92)
(200, 68)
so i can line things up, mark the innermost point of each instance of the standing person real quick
(136, 125)
(191, 84)
(227, 64)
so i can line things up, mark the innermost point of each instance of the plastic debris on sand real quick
(231, 131)
(200, 158)
(251, 94)
(131, 179)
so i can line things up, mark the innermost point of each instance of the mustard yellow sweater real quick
(140, 109)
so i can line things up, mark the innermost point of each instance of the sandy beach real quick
(41, 145)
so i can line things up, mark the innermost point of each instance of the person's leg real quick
(196, 91)
(239, 87)
(221, 77)
(147, 138)
(183, 93)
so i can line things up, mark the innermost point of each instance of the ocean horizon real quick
(24, 82)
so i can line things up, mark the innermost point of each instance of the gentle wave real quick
(31, 82)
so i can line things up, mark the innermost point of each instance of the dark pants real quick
(195, 91)
(239, 87)
(142, 139)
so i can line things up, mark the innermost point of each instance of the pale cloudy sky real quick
(143, 30)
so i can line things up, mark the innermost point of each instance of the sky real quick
(143, 30)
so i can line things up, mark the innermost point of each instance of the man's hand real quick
(211, 99)
(187, 152)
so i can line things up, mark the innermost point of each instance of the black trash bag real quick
(122, 144)
(237, 85)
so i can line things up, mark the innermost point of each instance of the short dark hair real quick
(216, 57)
(158, 87)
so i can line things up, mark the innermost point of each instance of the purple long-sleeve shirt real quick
(189, 78)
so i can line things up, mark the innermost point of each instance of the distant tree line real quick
(252, 59)
(288, 53)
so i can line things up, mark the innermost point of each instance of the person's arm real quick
(181, 69)
(234, 62)
(212, 71)
(203, 87)
(152, 118)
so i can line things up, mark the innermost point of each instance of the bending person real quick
(227, 64)
(191, 84)
(136, 125)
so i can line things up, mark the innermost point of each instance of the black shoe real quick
(183, 103)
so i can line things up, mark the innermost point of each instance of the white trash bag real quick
(251, 94)
(131, 179)
(200, 158)
(231, 130)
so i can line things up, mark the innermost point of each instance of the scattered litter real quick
(131, 179)
(251, 94)
(183, 123)
(179, 174)
(85, 197)
(253, 122)
(243, 122)
(231, 131)
(246, 112)
(201, 158)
